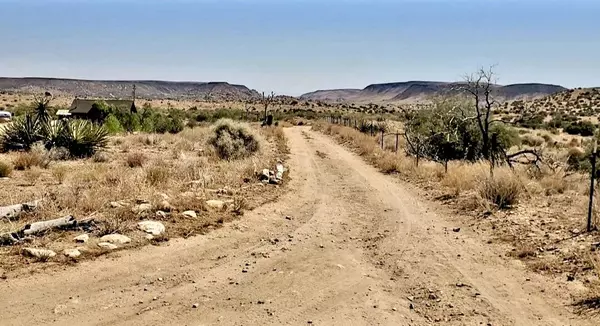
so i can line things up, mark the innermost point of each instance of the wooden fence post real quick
(593, 176)
(397, 142)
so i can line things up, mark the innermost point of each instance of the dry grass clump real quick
(100, 157)
(37, 156)
(532, 141)
(135, 160)
(5, 169)
(462, 177)
(59, 173)
(389, 163)
(502, 189)
(157, 174)
(32, 175)
(232, 140)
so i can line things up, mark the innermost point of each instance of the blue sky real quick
(295, 46)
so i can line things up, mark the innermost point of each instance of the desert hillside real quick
(147, 89)
(418, 91)
(578, 102)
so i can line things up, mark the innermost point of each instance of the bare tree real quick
(481, 86)
(266, 101)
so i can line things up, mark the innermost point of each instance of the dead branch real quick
(13, 212)
(37, 227)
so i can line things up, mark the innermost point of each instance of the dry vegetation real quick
(541, 213)
(138, 177)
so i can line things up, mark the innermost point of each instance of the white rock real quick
(38, 253)
(72, 253)
(106, 245)
(149, 237)
(215, 204)
(161, 214)
(115, 204)
(115, 238)
(279, 173)
(83, 238)
(191, 214)
(152, 227)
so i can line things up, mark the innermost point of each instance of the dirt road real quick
(346, 246)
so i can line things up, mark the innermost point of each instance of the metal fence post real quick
(593, 176)
(396, 142)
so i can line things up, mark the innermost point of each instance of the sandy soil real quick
(345, 246)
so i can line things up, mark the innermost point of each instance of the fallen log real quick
(63, 222)
(8, 239)
(12, 212)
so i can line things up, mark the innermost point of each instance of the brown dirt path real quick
(356, 248)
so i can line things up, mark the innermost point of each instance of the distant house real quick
(85, 109)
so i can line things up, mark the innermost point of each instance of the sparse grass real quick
(158, 173)
(5, 169)
(532, 141)
(59, 173)
(35, 157)
(100, 157)
(135, 160)
(32, 175)
(462, 177)
(239, 205)
(85, 189)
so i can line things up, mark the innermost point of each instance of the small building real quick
(85, 109)
(63, 114)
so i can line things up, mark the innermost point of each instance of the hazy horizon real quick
(302, 46)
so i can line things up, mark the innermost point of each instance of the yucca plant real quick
(21, 134)
(82, 138)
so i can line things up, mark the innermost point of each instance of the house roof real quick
(84, 106)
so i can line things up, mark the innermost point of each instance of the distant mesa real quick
(418, 91)
(146, 89)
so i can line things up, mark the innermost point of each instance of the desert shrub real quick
(233, 140)
(5, 169)
(547, 138)
(113, 125)
(134, 160)
(583, 128)
(502, 189)
(579, 159)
